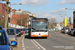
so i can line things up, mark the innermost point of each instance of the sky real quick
(47, 8)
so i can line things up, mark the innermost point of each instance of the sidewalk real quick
(18, 43)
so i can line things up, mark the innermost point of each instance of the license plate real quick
(39, 35)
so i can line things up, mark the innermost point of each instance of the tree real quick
(2, 22)
(21, 19)
(52, 23)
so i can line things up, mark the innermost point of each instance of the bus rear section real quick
(39, 27)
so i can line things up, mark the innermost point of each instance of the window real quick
(17, 30)
(10, 31)
(2, 39)
(37, 25)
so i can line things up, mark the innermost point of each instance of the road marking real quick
(23, 48)
(35, 44)
(39, 44)
(23, 44)
(29, 47)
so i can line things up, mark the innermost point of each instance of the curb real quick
(18, 43)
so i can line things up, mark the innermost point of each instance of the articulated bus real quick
(39, 27)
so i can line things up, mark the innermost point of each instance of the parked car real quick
(27, 30)
(70, 31)
(21, 30)
(5, 44)
(56, 29)
(24, 30)
(11, 34)
(18, 33)
(73, 32)
(62, 30)
(65, 30)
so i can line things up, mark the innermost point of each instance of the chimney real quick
(14, 11)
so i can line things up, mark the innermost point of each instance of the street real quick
(50, 22)
(55, 41)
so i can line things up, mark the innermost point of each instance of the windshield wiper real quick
(33, 28)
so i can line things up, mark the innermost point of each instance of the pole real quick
(6, 19)
(70, 22)
(21, 18)
(27, 19)
(10, 15)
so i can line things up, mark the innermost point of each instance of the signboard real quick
(65, 22)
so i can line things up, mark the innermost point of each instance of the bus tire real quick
(30, 37)
(45, 37)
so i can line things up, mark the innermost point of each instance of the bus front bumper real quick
(40, 35)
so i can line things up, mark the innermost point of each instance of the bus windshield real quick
(39, 26)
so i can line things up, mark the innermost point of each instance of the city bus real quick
(38, 27)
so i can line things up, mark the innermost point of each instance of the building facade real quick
(2, 10)
(21, 18)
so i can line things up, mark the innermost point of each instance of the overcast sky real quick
(46, 8)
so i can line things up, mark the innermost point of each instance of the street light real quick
(69, 9)
(70, 17)
(65, 18)
(64, 14)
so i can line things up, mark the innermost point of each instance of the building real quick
(70, 26)
(58, 26)
(16, 19)
(2, 10)
(21, 17)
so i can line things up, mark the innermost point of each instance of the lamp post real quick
(69, 9)
(64, 14)
(73, 17)
(65, 20)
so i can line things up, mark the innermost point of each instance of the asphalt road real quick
(55, 41)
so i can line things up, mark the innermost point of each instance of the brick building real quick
(19, 15)
(16, 19)
(2, 10)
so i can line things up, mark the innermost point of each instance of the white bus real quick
(39, 27)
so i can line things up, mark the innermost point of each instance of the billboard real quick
(65, 22)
